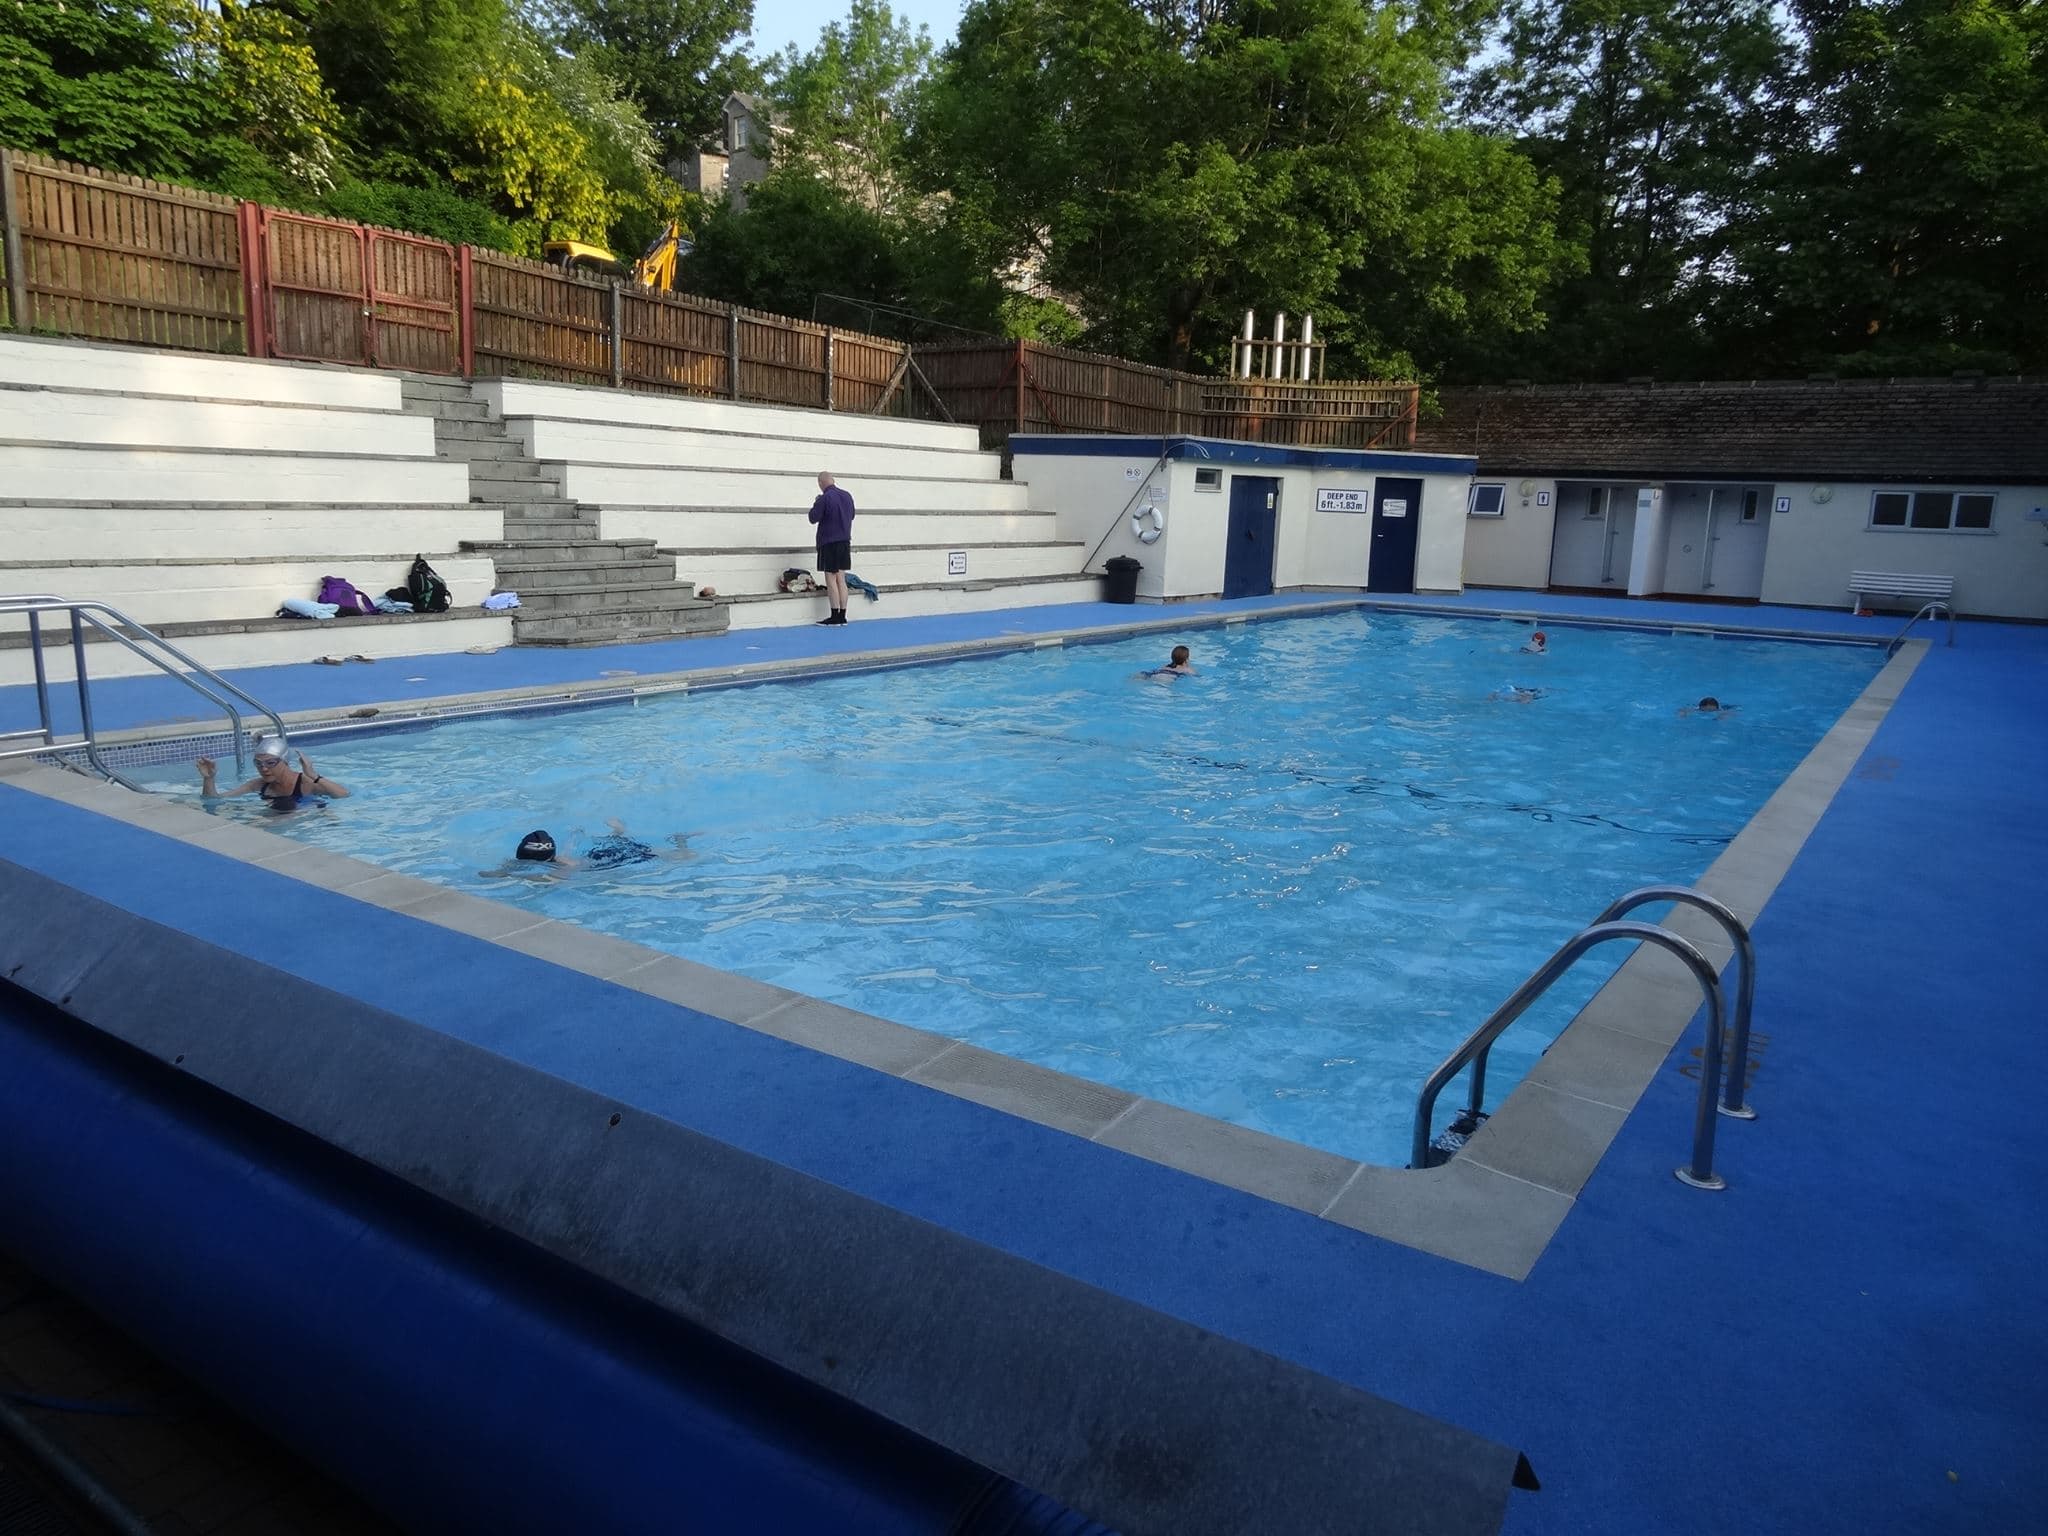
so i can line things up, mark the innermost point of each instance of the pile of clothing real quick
(424, 592)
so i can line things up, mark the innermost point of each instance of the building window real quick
(738, 135)
(1596, 501)
(1752, 500)
(1488, 501)
(1932, 511)
(1208, 479)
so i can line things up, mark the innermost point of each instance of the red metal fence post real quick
(732, 352)
(255, 291)
(828, 368)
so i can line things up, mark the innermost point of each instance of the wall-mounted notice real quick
(1393, 507)
(1543, 498)
(956, 562)
(1328, 500)
(1132, 472)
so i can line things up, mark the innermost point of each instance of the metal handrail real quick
(1892, 646)
(1745, 986)
(1700, 1174)
(216, 689)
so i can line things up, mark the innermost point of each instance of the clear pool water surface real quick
(1278, 892)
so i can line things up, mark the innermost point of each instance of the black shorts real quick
(836, 557)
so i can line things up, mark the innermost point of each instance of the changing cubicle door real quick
(1396, 514)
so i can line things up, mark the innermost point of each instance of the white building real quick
(1769, 492)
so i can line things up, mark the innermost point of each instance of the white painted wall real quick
(610, 485)
(272, 647)
(1512, 550)
(187, 592)
(686, 528)
(39, 363)
(1814, 547)
(579, 402)
(613, 443)
(1742, 547)
(63, 416)
(171, 532)
(1440, 545)
(1311, 548)
(41, 472)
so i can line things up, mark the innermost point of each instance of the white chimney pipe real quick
(1308, 336)
(1244, 349)
(1274, 357)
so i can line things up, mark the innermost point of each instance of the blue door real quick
(1254, 514)
(1396, 513)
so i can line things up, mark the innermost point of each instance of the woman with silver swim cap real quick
(279, 786)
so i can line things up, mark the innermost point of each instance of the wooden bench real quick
(1866, 584)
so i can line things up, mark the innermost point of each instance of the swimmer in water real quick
(1177, 665)
(1539, 645)
(282, 789)
(537, 854)
(1708, 706)
(1515, 693)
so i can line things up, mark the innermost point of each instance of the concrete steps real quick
(575, 586)
(722, 527)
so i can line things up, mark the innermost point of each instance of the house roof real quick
(1982, 431)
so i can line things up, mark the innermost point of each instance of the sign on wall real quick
(1328, 500)
(1394, 507)
(956, 562)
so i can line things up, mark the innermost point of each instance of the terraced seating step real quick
(620, 626)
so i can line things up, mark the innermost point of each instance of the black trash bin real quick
(1120, 585)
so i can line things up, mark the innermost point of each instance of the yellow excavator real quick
(655, 269)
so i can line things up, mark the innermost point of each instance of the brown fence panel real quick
(676, 344)
(1345, 414)
(119, 258)
(532, 322)
(315, 282)
(412, 303)
(782, 361)
(868, 374)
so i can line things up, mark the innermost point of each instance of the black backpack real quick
(427, 592)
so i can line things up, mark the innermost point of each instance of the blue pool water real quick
(1277, 893)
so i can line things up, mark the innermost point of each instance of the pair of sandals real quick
(335, 661)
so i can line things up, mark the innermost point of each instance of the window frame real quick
(1500, 500)
(1910, 512)
(1214, 485)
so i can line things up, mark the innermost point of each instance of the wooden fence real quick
(1023, 386)
(119, 258)
(116, 258)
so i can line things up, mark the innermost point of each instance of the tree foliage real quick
(678, 59)
(1170, 165)
(848, 103)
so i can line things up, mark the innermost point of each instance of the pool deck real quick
(1846, 1339)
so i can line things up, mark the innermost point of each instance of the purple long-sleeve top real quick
(833, 513)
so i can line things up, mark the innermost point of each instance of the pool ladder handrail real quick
(1891, 648)
(1604, 929)
(144, 642)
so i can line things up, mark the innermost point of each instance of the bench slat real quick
(1900, 584)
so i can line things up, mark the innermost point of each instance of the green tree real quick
(1652, 115)
(1904, 226)
(1171, 165)
(678, 59)
(848, 103)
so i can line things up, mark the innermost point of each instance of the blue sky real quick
(778, 22)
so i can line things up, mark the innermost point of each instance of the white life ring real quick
(1147, 523)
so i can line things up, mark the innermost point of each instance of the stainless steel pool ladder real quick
(1603, 929)
(1892, 646)
(151, 647)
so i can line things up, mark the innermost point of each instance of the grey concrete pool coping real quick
(1495, 1206)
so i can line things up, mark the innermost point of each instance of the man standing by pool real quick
(833, 513)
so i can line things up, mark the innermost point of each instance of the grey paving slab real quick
(320, 866)
(1549, 1138)
(1282, 1171)
(1651, 997)
(1019, 1088)
(1607, 1066)
(721, 994)
(1461, 1211)
(472, 915)
(852, 1036)
(594, 954)
(394, 892)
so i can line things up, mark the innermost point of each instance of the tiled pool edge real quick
(1495, 1207)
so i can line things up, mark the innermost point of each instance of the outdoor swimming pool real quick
(1276, 893)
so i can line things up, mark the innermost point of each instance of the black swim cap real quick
(538, 846)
